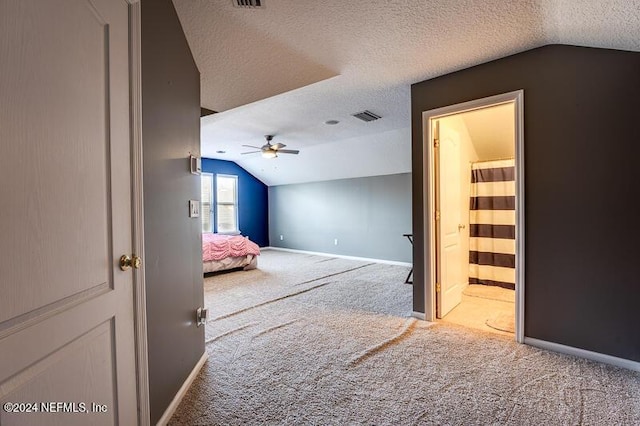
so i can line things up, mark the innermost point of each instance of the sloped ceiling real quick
(287, 68)
(492, 131)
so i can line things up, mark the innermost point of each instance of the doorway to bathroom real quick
(474, 199)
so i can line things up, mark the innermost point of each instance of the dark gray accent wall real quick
(173, 257)
(367, 215)
(581, 133)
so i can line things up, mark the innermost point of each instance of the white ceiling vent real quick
(367, 116)
(252, 4)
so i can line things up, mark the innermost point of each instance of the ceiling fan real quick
(271, 151)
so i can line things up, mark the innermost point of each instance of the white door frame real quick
(137, 205)
(428, 189)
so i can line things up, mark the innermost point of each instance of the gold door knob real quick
(127, 262)
(461, 227)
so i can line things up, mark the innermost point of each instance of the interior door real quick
(450, 276)
(66, 309)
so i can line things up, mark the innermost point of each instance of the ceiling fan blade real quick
(251, 146)
(250, 152)
(278, 146)
(288, 151)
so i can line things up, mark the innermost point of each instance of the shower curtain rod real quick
(495, 159)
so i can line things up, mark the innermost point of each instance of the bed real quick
(224, 252)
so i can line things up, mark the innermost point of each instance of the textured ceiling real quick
(287, 68)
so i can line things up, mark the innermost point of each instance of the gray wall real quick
(173, 258)
(367, 215)
(581, 133)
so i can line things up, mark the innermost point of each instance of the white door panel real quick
(80, 365)
(451, 258)
(66, 311)
(57, 123)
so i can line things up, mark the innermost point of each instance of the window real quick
(206, 201)
(219, 203)
(226, 204)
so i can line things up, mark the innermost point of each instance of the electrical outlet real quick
(201, 316)
(335, 242)
(281, 237)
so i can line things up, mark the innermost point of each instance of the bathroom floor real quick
(485, 308)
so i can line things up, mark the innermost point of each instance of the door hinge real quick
(438, 287)
(437, 215)
(436, 143)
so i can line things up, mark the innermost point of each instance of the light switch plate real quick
(194, 208)
(195, 164)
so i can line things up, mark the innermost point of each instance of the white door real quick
(451, 260)
(66, 309)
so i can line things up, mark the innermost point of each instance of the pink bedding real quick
(218, 247)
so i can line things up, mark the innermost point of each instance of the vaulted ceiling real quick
(290, 66)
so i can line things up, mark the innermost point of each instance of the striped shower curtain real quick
(492, 222)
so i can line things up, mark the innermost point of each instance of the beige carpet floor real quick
(315, 340)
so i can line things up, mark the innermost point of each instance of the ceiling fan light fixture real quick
(270, 151)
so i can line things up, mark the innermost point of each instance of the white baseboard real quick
(583, 353)
(171, 409)
(340, 256)
(419, 315)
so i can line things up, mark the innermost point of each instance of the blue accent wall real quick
(253, 199)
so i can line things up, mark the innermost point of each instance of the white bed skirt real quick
(247, 262)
